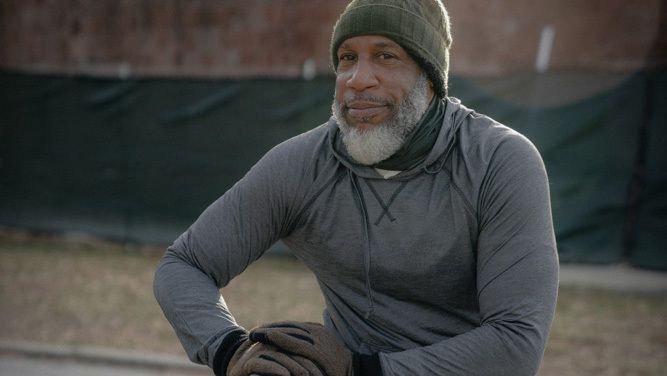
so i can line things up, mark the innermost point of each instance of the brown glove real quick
(308, 340)
(261, 359)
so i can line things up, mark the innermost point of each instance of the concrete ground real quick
(616, 277)
(31, 359)
(27, 366)
(34, 359)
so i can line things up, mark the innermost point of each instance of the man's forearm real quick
(192, 304)
(517, 311)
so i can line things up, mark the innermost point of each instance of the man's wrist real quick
(226, 350)
(367, 365)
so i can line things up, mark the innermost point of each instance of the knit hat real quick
(421, 27)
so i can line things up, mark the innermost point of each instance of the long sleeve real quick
(229, 235)
(517, 276)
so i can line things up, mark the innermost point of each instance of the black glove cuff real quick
(367, 365)
(227, 349)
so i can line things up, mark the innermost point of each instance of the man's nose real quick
(362, 77)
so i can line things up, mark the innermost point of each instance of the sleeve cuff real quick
(226, 350)
(367, 365)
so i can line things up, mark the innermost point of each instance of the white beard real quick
(375, 144)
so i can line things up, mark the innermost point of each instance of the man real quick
(427, 225)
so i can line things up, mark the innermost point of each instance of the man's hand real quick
(308, 340)
(262, 359)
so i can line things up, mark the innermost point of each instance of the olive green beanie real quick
(421, 27)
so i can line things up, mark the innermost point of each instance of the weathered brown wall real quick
(236, 38)
(500, 36)
(228, 38)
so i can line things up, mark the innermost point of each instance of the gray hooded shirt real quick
(448, 268)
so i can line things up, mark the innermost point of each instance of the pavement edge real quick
(99, 355)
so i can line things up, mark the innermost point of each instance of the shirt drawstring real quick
(361, 204)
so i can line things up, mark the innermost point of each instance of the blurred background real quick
(124, 119)
(121, 120)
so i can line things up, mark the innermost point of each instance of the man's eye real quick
(346, 57)
(386, 56)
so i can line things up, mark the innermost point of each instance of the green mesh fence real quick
(138, 160)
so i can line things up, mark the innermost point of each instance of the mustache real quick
(367, 98)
